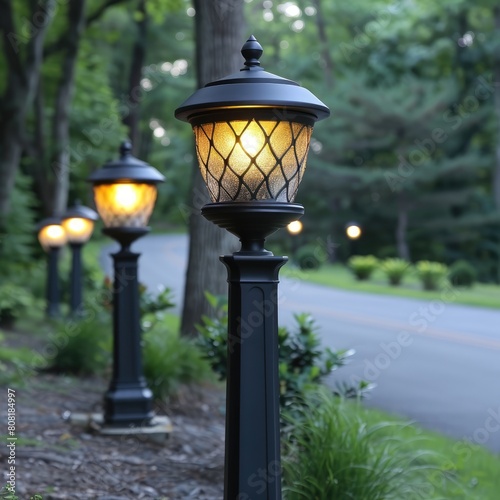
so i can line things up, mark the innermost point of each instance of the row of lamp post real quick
(252, 131)
(75, 228)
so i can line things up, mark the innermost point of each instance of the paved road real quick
(435, 362)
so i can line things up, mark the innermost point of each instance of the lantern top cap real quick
(127, 168)
(81, 212)
(49, 221)
(252, 87)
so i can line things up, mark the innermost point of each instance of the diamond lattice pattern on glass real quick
(125, 204)
(244, 160)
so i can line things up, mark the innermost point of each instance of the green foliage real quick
(363, 266)
(18, 236)
(213, 335)
(395, 269)
(302, 361)
(462, 273)
(14, 301)
(431, 274)
(82, 347)
(155, 304)
(307, 257)
(171, 360)
(6, 493)
(331, 452)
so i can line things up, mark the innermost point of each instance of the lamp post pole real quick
(52, 237)
(78, 223)
(53, 293)
(76, 279)
(128, 399)
(252, 133)
(125, 194)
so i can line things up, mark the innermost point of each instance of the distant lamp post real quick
(252, 132)
(52, 237)
(353, 232)
(294, 229)
(125, 194)
(78, 222)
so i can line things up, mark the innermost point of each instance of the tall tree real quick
(23, 55)
(496, 72)
(219, 37)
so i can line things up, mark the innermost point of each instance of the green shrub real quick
(171, 360)
(462, 274)
(395, 269)
(83, 347)
(17, 237)
(330, 452)
(213, 335)
(302, 361)
(308, 257)
(14, 302)
(363, 266)
(431, 274)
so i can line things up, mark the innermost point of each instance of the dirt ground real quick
(59, 460)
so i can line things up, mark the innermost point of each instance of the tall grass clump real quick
(363, 266)
(170, 361)
(331, 452)
(395, 269)
(431, 274)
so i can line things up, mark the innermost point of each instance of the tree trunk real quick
(138, 58)
(20, 88)
(60, 123)
(219, 38)
(325, 45)
(401, 229)
(496, 73)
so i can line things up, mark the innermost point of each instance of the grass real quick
(340, 449)
(472, 469)
(339, 276)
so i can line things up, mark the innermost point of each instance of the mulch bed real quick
(62, 461)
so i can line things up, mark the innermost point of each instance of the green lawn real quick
(463, 470)
(339, 276)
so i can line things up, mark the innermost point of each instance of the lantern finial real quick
(251, 51)
(125, 149)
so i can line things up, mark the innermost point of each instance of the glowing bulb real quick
(55, 232)
(353, 232)
(76, 225)
(126, 197)
(250, 143)
(294, 227)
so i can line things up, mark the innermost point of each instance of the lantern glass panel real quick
(78, 229)
(244, 160)
(52, 235)
(125, 204)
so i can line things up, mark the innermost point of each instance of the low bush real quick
(395, 269)
(83, 347)
(15, 300)
(331, 452)
(363, 266)
(171, 360)
(302, 361)
(462, 274)
(308, 257)
(431, 274)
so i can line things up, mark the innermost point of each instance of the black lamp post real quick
(353, 232)
(52, 237)
(252, 133)
(78, 222)
(294, 229)
(125, 195)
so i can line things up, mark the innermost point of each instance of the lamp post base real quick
(252, 405)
